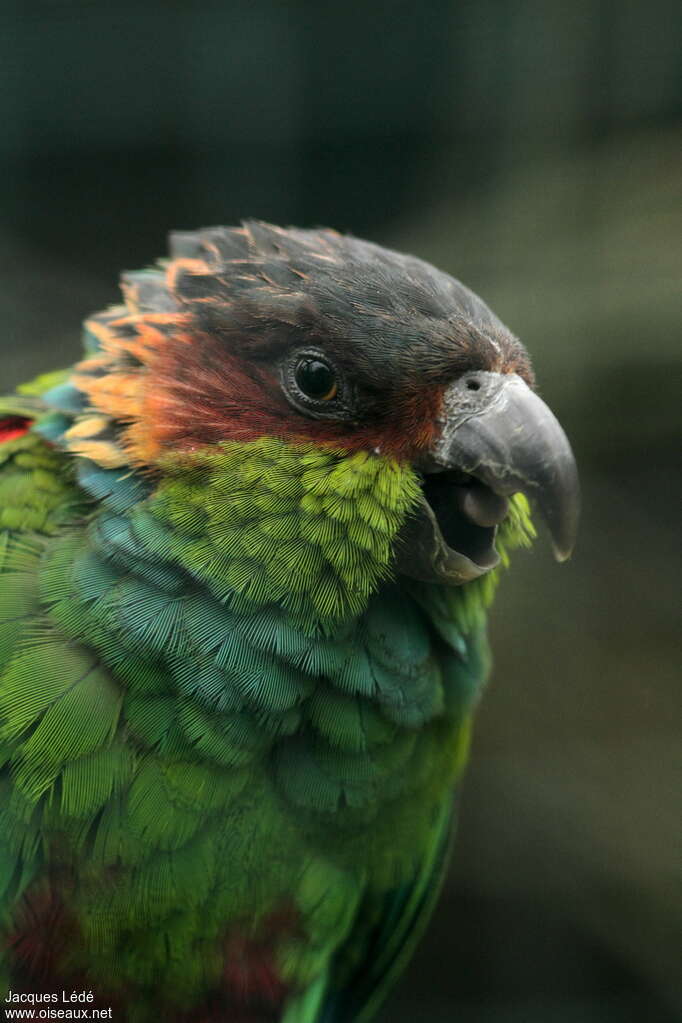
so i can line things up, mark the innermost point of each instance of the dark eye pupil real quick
(316, 379)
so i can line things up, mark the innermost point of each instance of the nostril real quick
(473, 384)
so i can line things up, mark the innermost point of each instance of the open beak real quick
(498, 438)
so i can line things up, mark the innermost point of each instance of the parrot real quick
(247, 548)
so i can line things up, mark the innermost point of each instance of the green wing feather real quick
(387, 928)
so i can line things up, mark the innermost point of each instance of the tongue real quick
(481, 505)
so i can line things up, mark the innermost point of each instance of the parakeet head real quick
(336, 409)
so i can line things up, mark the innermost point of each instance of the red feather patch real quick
(12, 427)
(250, 972)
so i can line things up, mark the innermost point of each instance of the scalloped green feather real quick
(313, 572)
(88, 783)
(77, 722)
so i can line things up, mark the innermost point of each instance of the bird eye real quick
(316, 379)
(315, 386)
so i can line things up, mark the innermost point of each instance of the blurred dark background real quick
(532, 149)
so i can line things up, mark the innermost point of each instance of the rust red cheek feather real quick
(202, 395)
(12, 427)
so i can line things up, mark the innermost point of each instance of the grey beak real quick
(498, 430)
